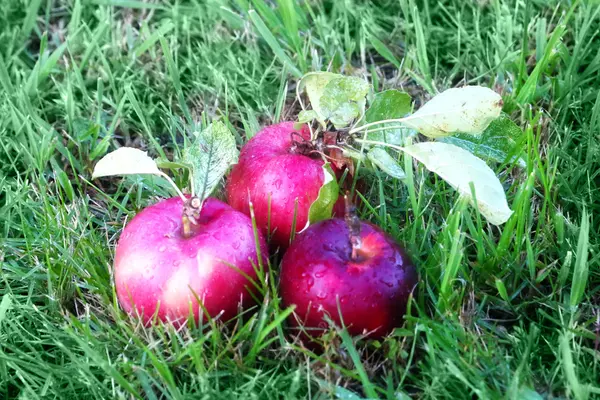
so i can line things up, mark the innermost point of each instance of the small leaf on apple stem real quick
(503, 138)
(459, 168)
(389, 104)
(125, 161)
(314, 83)
(210, 156)
(469, 109)
(382, 159)
(344, 100)
(322, 207)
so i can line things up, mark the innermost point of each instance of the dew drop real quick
(343, 299)
(162, 248)
(303, 275)
(319, 274)
(177, 263)
(373, 305)
(236, 245)
(387, 283)
(321, 295)
(277, 184)
(310, 282)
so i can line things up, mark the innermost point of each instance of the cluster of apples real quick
(339, 269)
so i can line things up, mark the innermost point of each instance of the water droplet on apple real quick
(319, 274)
(303, 275)
(310, 282)
(177, 263)
(277, 184)
(162, 248)
(322, 295)
(387, 282)
(343, 299)
(236, 245)
(373, 305)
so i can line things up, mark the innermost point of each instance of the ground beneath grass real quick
(78, 78)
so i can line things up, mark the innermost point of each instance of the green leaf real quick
(322, 207)
(307, 116)
(468, 109)
(166, 164)
(344, 100)
(314, 84)
(501, 139)
(460, 168)
(382, 159)
(389, 104)
(210, 156)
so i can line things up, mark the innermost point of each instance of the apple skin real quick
(317, 271)
(269, 169)
(155, 264)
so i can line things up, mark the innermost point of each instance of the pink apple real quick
(280, 179)
(156, 267)
(318, 275)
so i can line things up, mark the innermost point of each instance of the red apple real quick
(318, 274)
(157, 267)
(275, 174)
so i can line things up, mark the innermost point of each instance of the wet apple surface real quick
(157, 267)
(278, 178)
(320, 277)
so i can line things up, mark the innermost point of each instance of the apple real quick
(368, 278)
(281, 174)
(159, 269)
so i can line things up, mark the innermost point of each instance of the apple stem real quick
(191, 214)
(353, 223)
(179, 192)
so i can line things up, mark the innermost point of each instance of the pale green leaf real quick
(314, 84)
(307, 116)
(322, 207)
(5, 305)
(382, 159)
(210, 156)
(469, 109)
(344, 100)
(125, 161)
(459, 168)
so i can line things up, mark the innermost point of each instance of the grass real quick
(501, 312)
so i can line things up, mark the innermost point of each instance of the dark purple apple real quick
(281, 176)
(156, 267)
(371, 289)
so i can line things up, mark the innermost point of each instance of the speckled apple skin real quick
(268, 171)
(318, 274)
(155, 266)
